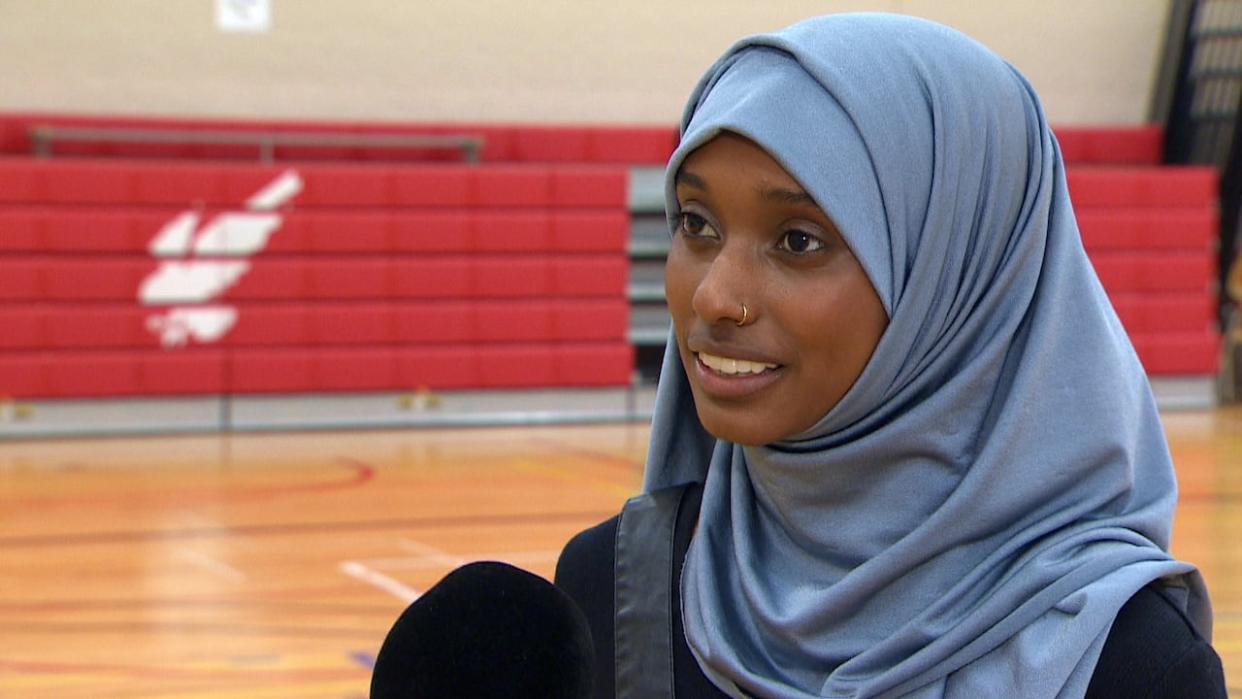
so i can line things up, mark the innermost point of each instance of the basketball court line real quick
(357, 474)
(435, 522)
(371, 570)
(430, 553)
(376, 579)
(214, 566)
(184, 628)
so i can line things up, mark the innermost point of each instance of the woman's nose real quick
(726, 285)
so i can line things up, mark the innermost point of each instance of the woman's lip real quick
(727, 351)
(732, 386)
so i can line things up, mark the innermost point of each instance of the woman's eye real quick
(695, 226)
(800, 242)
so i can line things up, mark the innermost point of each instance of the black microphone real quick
(487, 629)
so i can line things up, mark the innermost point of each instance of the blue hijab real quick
(969, 518)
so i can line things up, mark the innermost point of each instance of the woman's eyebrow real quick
(787, 196)
(780, 194)
(691, 179)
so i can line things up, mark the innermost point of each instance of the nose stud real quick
(745, 316)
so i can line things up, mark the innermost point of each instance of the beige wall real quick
(509, 60)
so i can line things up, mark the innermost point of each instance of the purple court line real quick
(359, 474)
(78, 538)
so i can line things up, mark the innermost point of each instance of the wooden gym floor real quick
(272, 565)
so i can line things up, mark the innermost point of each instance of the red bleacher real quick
(502, 143)
(35, 230)
(301, 369)
(1151, 234)
(387, 274)
(1131, 145)
(73, 183)
(49, 326)
(85, 280)
(377, 277)
(644, 145)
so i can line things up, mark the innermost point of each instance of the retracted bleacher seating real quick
(155, 278)
(1151, 234)
(157, 269)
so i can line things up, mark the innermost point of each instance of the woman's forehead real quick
(729, 151)
(732, 166)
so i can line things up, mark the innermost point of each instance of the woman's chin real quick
(737, 426)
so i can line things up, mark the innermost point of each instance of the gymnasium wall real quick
(566, 61)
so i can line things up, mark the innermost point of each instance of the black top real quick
(1152, 650)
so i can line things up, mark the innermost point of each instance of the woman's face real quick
(749, 234)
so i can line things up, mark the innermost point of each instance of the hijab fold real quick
(970, 517)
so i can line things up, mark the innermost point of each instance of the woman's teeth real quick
(730, 366)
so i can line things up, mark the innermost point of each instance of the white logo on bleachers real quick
(191, 279)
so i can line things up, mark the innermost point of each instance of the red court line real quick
(360, 474)
(599, 457)
(80, 538)
(151, 672)
(29, 628)
(165, 603)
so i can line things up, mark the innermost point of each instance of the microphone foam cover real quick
(487, 629)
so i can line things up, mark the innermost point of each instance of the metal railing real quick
(45, 137)
(1198, 98)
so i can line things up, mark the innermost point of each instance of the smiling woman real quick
(902, 445)
(752, 247)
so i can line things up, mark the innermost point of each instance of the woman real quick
(930, 461)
